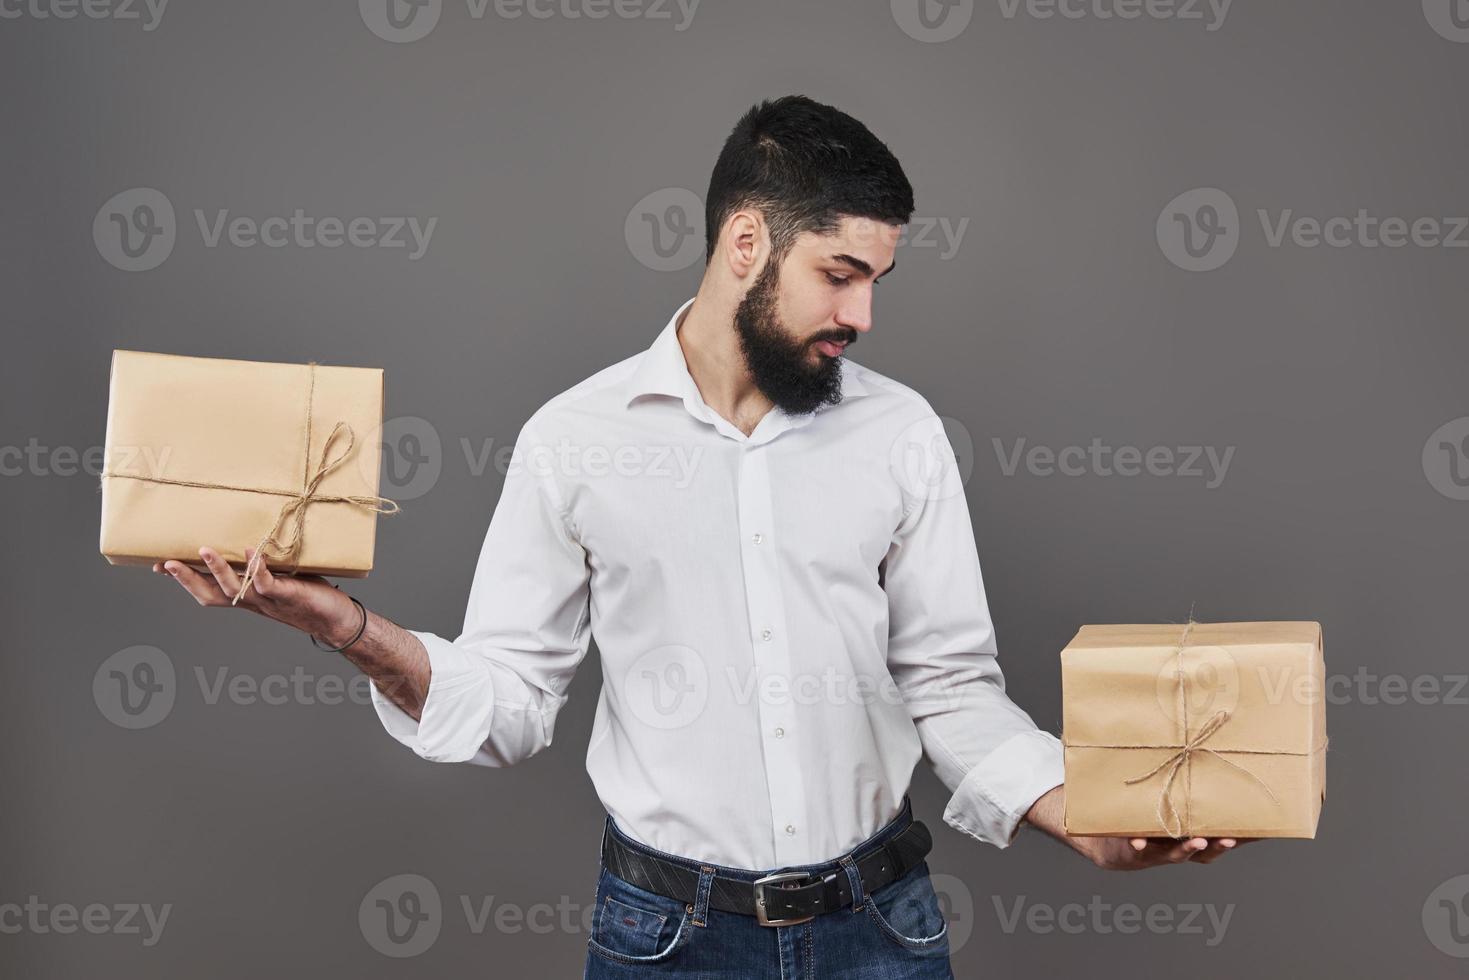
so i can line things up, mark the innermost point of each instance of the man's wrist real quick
(339, 624)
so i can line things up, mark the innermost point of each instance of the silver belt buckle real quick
(776, 880)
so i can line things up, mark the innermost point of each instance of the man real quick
(782, 578)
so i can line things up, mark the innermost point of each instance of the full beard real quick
(779, 365)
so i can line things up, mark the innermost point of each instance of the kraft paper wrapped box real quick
(1199, 729)
(235, 454)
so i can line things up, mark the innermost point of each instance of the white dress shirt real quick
(787, 620)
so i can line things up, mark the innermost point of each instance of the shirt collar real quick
(662, 370)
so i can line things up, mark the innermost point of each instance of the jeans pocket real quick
(907, 911)
(635, 926)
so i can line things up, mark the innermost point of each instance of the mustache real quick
(848, 338)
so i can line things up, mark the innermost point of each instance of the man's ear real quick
(744, 243)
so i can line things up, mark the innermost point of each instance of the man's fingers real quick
(264, 581)
(1214, 851)
(1186, 849)
(205, 590)
(224, 575)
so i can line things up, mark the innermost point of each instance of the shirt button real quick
(790, 831)
(766, 634)
(780, 733)
(757, 537)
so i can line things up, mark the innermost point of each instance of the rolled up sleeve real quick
(942, 654)
(495, 690)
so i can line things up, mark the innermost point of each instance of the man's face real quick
(799, 315)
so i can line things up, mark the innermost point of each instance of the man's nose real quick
(856, 310)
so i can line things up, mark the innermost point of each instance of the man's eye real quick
(835, 280)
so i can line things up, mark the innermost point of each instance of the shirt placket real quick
(774, 690)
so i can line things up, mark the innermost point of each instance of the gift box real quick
(1199, 729)
(235, 454)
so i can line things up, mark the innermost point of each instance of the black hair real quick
(805, 166)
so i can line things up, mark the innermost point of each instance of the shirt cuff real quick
(993, 796)
(456, 712)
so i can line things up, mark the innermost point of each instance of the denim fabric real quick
(897, 933)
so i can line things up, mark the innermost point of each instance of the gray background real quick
(1058, 319)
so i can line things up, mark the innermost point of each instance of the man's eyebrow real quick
(859, 265)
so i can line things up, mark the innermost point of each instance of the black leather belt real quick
(780, 899)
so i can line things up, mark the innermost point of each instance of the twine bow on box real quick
(291, 519)
(1182, 758)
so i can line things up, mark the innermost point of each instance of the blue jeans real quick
(897, 933)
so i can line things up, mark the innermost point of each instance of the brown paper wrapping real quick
(1200, 729)
(257, 434)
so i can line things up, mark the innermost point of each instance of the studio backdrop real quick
(1186, 282)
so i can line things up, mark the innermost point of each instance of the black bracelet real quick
(355, 636)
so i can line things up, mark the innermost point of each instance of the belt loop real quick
(700, 909)
(855, 878)
(606, 830)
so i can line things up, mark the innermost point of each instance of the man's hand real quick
(394, 658)
(1126, 853)
(307, 602)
